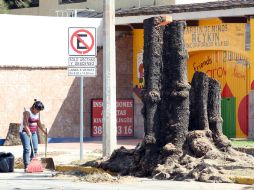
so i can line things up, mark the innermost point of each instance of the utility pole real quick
(109, 79)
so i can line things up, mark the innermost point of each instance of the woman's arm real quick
(40, 126)
(25, 122)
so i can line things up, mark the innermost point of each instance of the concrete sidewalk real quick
(19, 180)
(65, 153)
(66, 156)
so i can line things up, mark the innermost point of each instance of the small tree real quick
(17, 3)
(3, 7)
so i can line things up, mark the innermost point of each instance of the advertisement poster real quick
(124, 112)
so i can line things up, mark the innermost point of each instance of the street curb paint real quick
(2, 142)
(242, 180)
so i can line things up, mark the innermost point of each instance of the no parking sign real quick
(82, 52)
(82, 41)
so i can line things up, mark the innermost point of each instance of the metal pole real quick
(81, 116)
(109, 79)
(81, 108)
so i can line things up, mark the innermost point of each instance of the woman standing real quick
(28, 131)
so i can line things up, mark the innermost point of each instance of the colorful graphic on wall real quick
(221, 51)
(140, 69)
(233, 76)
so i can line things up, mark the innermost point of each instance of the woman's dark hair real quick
(38, 105)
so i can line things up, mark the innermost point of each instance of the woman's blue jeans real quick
(26, 142)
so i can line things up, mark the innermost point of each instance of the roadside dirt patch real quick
(52, 153)
(96, 177)
(18, 163)
(89, 158)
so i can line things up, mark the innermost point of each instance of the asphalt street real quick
(19, 180)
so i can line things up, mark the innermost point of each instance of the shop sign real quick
(124, 112)
(227, 36)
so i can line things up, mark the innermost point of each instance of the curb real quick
(87, 170)
(247, 150)
(68, 168)
(91, 170)
(243, 180)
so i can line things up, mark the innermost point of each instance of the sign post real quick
(81, 116)
(82, 62)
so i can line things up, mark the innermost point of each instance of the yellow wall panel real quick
(209, 22)
(229, 69)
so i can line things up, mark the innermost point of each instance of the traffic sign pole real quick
(81, 110)
(82, 63)
(81, 116)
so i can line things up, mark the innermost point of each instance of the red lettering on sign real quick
(217, 72)
(125, 119)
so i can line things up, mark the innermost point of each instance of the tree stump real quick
(12, 137)
(182, 122)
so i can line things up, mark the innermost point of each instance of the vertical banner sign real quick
(124, 113)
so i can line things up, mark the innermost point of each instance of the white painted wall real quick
(39, 41)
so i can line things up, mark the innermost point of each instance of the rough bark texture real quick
(198, 102)
(12, 137)
(151, 96)
(183, 125)
(175, 90)
(151, 93)
(214, 106)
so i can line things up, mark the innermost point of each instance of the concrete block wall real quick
(19, 87)
(60, 93)
(94, 86)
